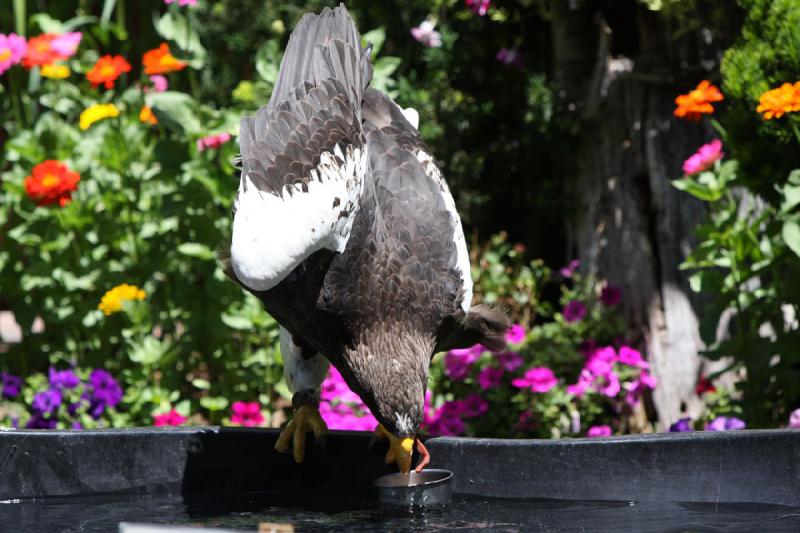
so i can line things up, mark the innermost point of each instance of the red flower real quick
(107, 70)
(704, 385)
(51, 182)
(40, 51)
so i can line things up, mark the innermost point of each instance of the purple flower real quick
(63, 379)
(104, 392)
(569, 270)
(473, 405)
(515, 334)
(538, 379)
(39, 422)
(77, 425)
(574, 311)
(510, 58)
(457, 363)
(46, 402)
(587, 347)
(684, 424)
(611, 295)
(599, 431)
(425, 34)
(10, 385)
(510, 361)
(723, 423)
(794, 419)
(490, 377)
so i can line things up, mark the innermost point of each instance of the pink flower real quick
(479, 7)
(66, 44)
(160, 83)
(637, 387)
(704, 158)
(341, 408)
(510, 58)
(794, 419)
(212, 141)
(510, 361)
(457, 363)
(599, 431)
(247, 414)
(490, 377)
(569, 270)
(610, 385)
(611, 295)
(629, 356)
(12, 50)
(515, 334)
(538, 379)
(172, 418)
(574, 311)
(182, 2)
(425, 34)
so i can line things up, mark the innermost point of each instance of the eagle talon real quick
(306, 418)
(400, 450)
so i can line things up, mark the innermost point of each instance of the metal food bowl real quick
(429, 487)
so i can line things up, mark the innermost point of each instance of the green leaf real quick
(202, 384)
(236, 321)
(696, 189)
(214, 403)
(176, 110)
(195, 249)
(149, 351)
(375, 37)
(267, 61)
(791, 235)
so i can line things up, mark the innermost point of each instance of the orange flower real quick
(775, 102)
(107, 70)
(161, 61)
(40, 51)
(146, 115)
(696, 103)
(51, 182)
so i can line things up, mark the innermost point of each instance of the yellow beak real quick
(400, 450)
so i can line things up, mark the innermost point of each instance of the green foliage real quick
(766, 55)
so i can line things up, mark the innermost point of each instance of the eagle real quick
(345, 229)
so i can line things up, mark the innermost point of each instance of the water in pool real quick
(331, 512)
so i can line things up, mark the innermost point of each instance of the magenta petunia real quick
(794, 419)
(515, 334)
(66, 44)
(479, 7)
(12, 50)
(629, 356)
(574, 311)
(457, 363)
(510, 361)
(425, 34)
(569, 270)
(171, 418)
(611, 295)
(247, 414)
(599, 431)
(704, 158)
(473, 405)
(490, 377)
(510, 58)
(537, 379)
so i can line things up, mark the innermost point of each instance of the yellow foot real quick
(306, 418)
(400, 450)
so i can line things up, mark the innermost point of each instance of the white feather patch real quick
(462, 261)
(412, 116)
(272, 234)
(301, 374)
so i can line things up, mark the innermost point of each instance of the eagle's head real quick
(388, 368)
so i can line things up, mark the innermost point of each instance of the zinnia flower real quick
(161, 61)
(599, 431)
(40, 51)
(172, 418)
(538, 379)
(682, 425)
(160, 83)
(610, 295)
(574, 311)
(425, 34)
(479, 7)
(247, 414)
(66, 44)
(775, 102)
(515, 334)
(55, 71)
(113, 299)
(12, 50)
(697, 103)
(724, 423)
(704, 158)
(213, 141)
(51, 182)
(147, 116)
(10, 385)
(107, 69)
(97, 112)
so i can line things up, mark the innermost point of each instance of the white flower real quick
(425, 34)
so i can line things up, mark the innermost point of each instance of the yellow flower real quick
(112, 300)
(775, 102)
(146, 115)
(56, 72)
(97, 112)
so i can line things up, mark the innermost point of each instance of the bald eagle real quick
(345, 229)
